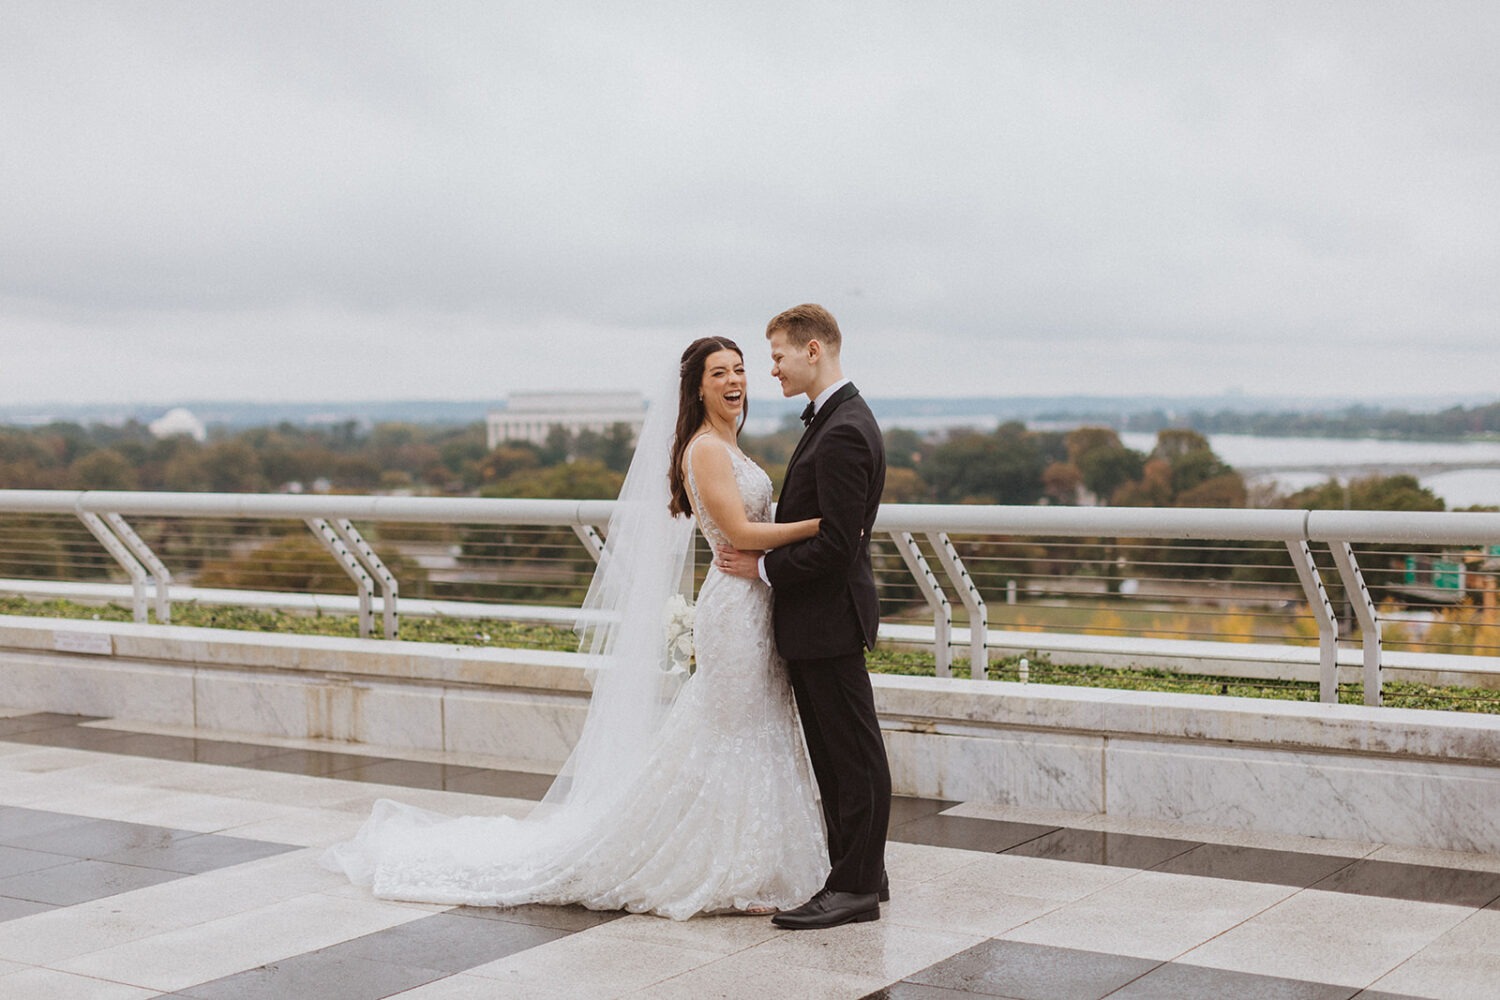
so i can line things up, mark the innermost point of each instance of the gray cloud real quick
(446, 199)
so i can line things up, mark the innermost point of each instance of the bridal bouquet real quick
(679, 632)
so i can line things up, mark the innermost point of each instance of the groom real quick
(826, 611)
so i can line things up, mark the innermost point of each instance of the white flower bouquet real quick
(678, 620)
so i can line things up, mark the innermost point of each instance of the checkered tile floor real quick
(142, 865)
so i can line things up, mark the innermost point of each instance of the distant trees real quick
(1401, 492)
(103, 469)
(1351, 422)
(1001, 467)
(1011, 464)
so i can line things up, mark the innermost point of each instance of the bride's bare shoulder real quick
(705, 445)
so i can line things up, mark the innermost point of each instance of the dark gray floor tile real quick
(1033, 972)
(917, 991)
(1421, 883)
(19, 860)
(316, 975)
(95, 838)
(19, 827)
(10, 909)
(905, 808)
(76, 737)
(446, 941)
(155, 746)
(1098, 847)
(502, 784)
(1255, 864)
(313, 763)
(195, 854)
(80, 882)
(967, 833)
(406, 773)
(1176, 982)
(197, 751)
(13, 724)
(232, 754)
(563, 918)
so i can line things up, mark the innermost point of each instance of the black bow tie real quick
(808, 414)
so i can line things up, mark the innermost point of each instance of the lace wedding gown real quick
(722, 815)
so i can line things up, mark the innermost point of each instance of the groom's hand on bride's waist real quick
(738, 562)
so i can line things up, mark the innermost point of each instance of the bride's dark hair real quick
(691, 412)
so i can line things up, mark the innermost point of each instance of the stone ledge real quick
(375, 659)
(967, 706)
(917, 704)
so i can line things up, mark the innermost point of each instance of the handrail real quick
(103, 511)
(1207, 523)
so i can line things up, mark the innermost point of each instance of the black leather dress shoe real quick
(830, 908)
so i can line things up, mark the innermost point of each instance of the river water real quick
(1296, 462)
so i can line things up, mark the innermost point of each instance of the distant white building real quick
(178, 421)
(530, 416)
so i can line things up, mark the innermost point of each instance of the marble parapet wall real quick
(1415, 778)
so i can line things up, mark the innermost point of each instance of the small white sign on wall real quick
(97, 643)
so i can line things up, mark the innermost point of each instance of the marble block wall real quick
(1426, 779)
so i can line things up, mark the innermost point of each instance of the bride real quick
(680, 797)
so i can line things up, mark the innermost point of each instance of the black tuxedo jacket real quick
(823, 587)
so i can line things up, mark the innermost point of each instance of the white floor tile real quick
(746, 977)
(879, 949)
(723, 934)
(47, 938)
(962, 908)
(49, 984)
(467, 987)
(589, 964)
(1329, 937)
(1446, 972)
(1039, 878)
(233, 944)
(1151, 915)
(303, 827)
(922, 862)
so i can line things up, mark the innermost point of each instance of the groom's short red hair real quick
(807, 322)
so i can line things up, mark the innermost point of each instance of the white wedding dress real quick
(722, 815)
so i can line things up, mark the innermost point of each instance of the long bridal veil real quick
(408, 853)
(622, 626)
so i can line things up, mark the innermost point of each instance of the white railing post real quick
(590, 539)
(389, 588)
(1365, 611)
(331, 541)
(127, 560)
(979, 626)
(1322, 610)
(159, 572)
(942, 610)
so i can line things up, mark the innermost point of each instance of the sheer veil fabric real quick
(678, 798)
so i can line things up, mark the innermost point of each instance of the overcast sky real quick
(308, 201)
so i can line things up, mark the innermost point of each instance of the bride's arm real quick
(713, 470)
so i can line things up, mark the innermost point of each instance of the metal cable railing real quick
(959, 577)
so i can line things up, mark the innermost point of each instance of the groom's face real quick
(791, 365)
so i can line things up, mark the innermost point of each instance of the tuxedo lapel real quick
(819, 418)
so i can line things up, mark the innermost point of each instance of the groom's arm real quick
(843, 474)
